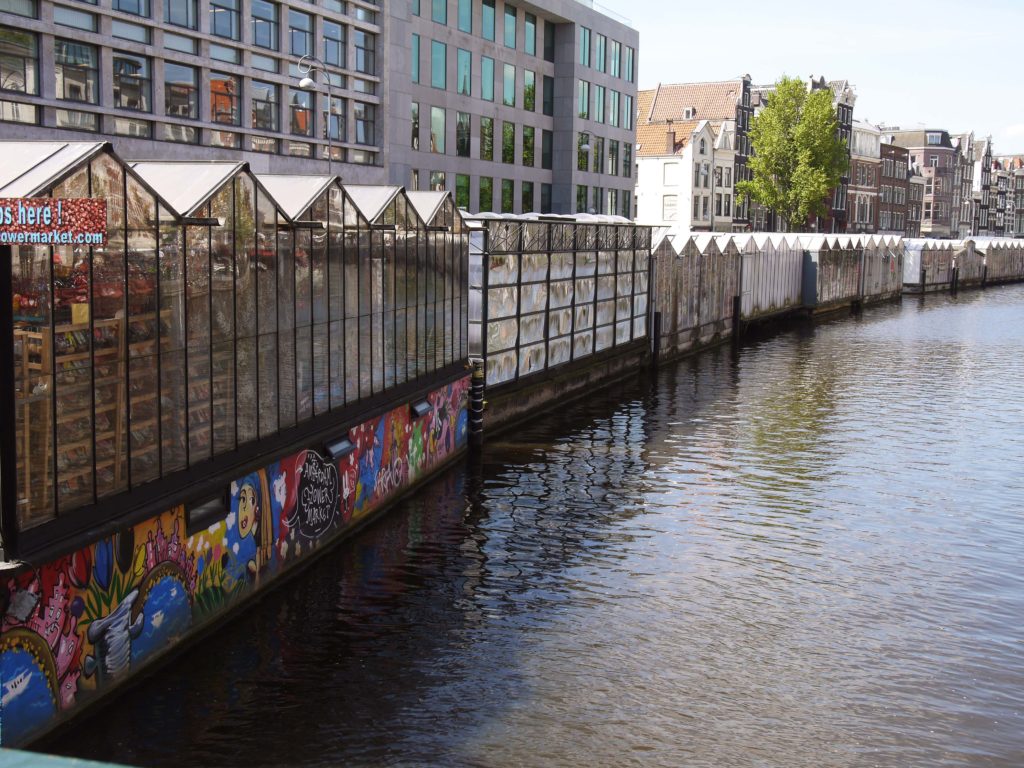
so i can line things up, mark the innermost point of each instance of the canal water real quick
(809, 552)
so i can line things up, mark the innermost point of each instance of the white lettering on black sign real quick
(317, 501)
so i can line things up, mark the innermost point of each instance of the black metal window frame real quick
(410, 308)
(606, 304)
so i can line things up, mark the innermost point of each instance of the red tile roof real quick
(652, 138)
(711, 101)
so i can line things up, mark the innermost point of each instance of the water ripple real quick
(807, 553)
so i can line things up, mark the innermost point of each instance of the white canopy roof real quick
(185, 185)
(294, 194)
(371, 200)
(30, 167)
(427, 204)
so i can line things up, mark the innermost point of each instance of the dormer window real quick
(689, 113)
(933, 138)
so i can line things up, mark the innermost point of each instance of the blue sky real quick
(944, 64)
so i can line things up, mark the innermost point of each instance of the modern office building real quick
(513, 107)
(201, 79)
(220, 79)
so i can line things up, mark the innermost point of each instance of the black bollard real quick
(476, 403)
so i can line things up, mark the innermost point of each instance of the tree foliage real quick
(798, 157)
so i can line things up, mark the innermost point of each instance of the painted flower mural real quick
(76, 625)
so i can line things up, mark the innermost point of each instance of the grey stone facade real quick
(294, 145)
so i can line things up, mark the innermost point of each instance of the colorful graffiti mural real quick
(75, 626)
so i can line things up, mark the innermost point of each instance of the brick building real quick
(865, 167)
(932, 151)
(894, 188)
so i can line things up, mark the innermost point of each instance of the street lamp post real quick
(306, 66)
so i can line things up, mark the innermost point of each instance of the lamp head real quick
(307, 84)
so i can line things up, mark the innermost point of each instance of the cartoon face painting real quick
(247, 509)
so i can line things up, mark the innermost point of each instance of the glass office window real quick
(181, 90)
(438, 64)
(300, 112)
(507, 196)
(132, 83)
(510, 26)
(265, 24)
(415, 56)
(334, 46)
(437, 130)
(486, 138)
(508, 93)
(265, 106)
(366, 46)
(225, 18)
(485, 202)
(487, 19)
(464, 72)
(462, 190)
(529, 135)
(182, 13)
(300, 33)
(225, 99)
(508, 142)
(486, 78)
(365, 117)
(462, 134)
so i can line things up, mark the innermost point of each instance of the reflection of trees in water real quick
(787, 423)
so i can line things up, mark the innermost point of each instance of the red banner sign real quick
(44, 221)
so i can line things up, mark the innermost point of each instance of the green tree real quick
(798, 158)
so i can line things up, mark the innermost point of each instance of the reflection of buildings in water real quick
(553, 500)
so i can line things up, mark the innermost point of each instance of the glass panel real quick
(246, 267)
(197, 265)
(222, 320)
(34, 341)
(266, 313)
(143, 335)
(502, 302)
(286, 289)
(303, 239)
(173, 410)
(110, 407)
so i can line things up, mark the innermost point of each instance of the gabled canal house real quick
(726, 105)
(685, 175)
(933, 152)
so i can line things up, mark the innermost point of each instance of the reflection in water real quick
(806, 553)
